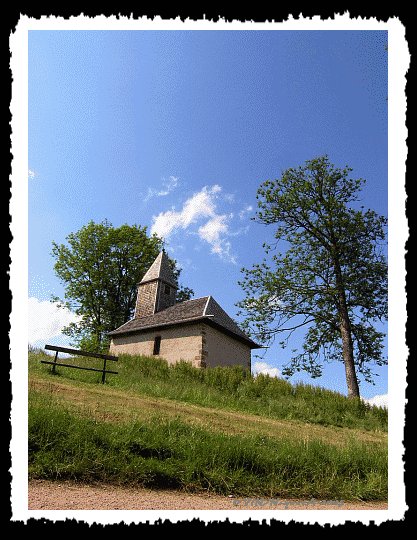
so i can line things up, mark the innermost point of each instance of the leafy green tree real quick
(332, 280)
(100, 269)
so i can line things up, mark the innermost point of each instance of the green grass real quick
(172, 454)
(231, 388)
(165, 452)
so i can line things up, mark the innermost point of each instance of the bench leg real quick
(55, 359)
(104, 372)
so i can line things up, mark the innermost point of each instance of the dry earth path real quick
(47, 495)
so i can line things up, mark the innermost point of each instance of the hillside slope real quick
(147, 427)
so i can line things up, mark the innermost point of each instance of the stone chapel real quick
(198, 331)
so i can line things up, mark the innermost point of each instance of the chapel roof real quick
(205, 309)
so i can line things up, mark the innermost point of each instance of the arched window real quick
(157, 345)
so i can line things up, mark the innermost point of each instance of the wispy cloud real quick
(201, 205)
(31, 174)
(243, 213)
(167, 187)
(212, 230)
(47, 320)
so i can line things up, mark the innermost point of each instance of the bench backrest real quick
(81, 353)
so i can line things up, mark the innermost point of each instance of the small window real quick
(157, 345)
(167, 290)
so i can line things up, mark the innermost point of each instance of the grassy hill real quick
(220, 430)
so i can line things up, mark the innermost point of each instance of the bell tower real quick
(158, 288)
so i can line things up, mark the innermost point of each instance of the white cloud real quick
(168, 186)
(46, 320)
(379, 401)
(31, 174)
(243, 213)
(163, 224)
(201, 205)
(212, 229)
(263, 367)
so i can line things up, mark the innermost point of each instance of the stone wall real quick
(224, 350)
(199, 344)
(177, 343)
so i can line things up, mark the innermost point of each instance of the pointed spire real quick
(158, 288)
(161, 269)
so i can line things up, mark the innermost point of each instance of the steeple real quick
(158, 288)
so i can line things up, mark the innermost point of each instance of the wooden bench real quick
(105, 357)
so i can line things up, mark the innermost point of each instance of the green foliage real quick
(100, 269)
(332, 279)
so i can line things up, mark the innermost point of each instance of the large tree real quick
(100, 269)
(332, 279)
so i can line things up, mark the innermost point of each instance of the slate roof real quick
(160, 269)
(205, 308)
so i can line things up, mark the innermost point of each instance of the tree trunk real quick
(352, 382)
(345, 330)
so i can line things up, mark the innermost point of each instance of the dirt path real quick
(45, 495)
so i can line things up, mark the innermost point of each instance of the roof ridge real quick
(190, 300)
(207, 303)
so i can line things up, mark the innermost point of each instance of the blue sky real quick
(177, 130)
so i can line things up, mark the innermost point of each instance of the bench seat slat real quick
(78, 367)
